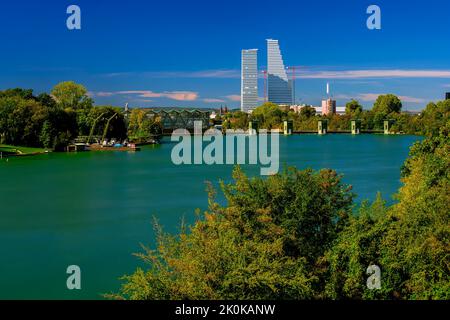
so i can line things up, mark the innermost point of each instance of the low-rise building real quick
(328, 107)
(297, 108)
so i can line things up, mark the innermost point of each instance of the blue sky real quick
(187, 53)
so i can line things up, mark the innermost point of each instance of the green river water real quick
(94, 209)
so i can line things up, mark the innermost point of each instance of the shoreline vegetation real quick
(67, 116)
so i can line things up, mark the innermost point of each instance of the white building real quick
(339, 110)
(249, 80)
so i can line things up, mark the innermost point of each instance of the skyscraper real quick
(249, 80)
(278, 86)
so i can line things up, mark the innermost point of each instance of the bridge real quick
(177, 118)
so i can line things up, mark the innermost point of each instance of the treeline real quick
(295, 235)
(53, 120)
(142, 127)
(386, 107)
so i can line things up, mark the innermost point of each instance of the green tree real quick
(409, 241)
(115, 129)
(386, 104)
(378, 120)
(21, 120)
(239, 120)
(143, 125)
(262, 245)
(353, 108)
(357, 248)
(26, 94)
(71, 95)
(269, 116)
(59, 129)
(434, 117)
(46, 100)
(47, 135)
(307, 112)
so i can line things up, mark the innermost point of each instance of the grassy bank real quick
(17, 150)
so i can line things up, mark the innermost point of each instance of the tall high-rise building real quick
(278, 85)
(249, 80)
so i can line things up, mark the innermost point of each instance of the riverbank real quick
(17, 151)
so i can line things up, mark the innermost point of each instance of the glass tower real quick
(249, 80)
(278, 86)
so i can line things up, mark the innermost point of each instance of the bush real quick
(408, 241)
(262, 245)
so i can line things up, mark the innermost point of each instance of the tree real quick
(386, 104)
(378, 120)
(47, 135)
(26, 94)
(356, 248)
(21, 120)
(71, 95)
(353, 108)
(307, 112)
(86, 119)
(269, 115)
(27, 120)
(420, 238)
(262, 245)
(434, 117)
(239, 120)
(143, 125)
(409, 241)
(60, 129)
(46, 100)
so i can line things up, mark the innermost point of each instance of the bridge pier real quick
(388, 126)
(288, 127)
(356, 126)
(322, 126)
(253, 127)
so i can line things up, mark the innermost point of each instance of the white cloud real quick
(213, 100)
(103, 94)
(301, 73)
(382, 73)
(219, 74)
(234, 97)
(174, 95)
(369, 97)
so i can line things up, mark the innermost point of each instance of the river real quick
(94, 209)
